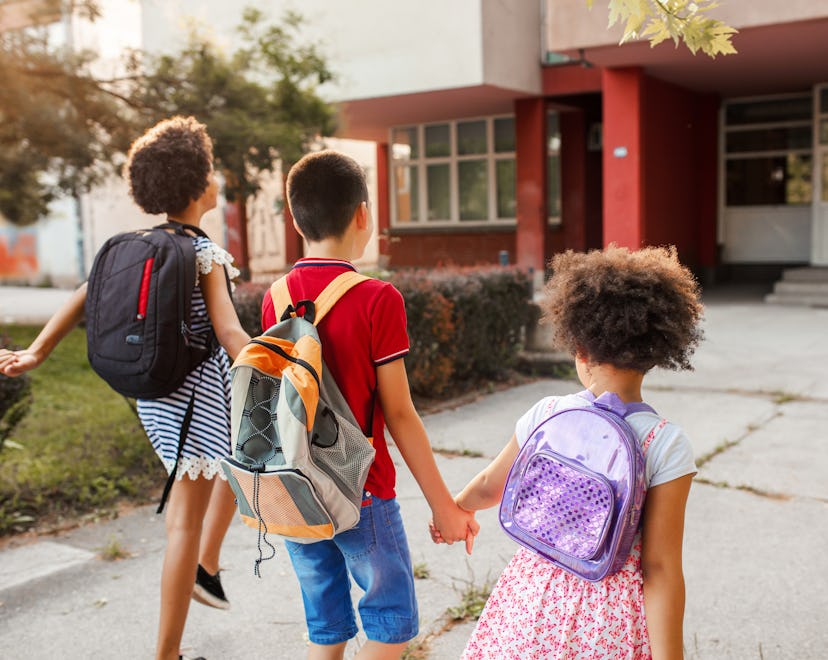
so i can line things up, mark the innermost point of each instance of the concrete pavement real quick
(756, 410)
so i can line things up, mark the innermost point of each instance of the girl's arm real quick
(226, 324)
(663, 534)
(486, 489)
(14, 363)
(411, 439)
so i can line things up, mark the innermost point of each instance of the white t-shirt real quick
(669, 457)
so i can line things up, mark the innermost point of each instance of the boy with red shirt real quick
(363, 342)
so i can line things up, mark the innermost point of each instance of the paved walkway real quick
(756, 409)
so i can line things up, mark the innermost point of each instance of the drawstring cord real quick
(257, 567)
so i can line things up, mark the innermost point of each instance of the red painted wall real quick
(457, 249)
(671, 173)
(664, 190)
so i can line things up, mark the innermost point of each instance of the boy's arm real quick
(663, 533)
(410, 436)
(14, 363)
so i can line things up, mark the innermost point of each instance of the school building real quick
(508, 130)
(523, 128)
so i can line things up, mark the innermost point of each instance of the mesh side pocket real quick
(347, 459)
(258, 438)
(564, 506)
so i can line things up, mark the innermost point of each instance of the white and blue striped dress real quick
(208, 439)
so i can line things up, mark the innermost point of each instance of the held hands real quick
(459, 525)
(14, 363)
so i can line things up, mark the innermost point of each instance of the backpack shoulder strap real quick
(181, 229)
(324, 302)
(281, 297)
(337, 288)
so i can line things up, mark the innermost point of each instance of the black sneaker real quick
(208, 591)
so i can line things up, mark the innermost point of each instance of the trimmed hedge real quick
(465, 325)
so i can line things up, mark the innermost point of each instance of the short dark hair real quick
(324, 189)
(169, 166)
(630, 309)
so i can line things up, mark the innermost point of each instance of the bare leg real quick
(185, 513)
(220, 513)
(378, 651)
(326, 651)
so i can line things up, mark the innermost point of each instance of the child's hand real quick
(14, 363)
(456, 524)
(436, 537)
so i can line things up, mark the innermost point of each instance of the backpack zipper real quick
(280, 351)
(143, 294)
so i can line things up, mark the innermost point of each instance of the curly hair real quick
(632, 310)
(168, 166)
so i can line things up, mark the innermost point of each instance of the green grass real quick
(80, 450)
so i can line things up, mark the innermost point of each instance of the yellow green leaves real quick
(679, 20)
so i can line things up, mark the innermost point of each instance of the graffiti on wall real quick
(18, 252)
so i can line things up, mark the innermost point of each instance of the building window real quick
(768, 151)
(553, 169)
(454, 173)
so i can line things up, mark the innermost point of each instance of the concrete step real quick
(804, 287)
(809, 274)
(801, 287)
(800, 300)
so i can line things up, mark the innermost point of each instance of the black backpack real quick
(137, 308)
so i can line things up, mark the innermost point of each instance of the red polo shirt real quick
(365, 329)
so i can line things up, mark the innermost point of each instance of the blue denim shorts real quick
(375, 554)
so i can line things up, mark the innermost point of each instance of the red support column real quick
(235, 222)
(530, 167)
(382, 207)
(294, 245)
(623, 157)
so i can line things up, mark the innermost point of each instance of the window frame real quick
(421, 163)
(729, 156)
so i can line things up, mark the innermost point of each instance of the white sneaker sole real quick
(201, 595)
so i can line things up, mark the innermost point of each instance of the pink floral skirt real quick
(539, 611)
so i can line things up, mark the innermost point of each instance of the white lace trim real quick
(212, 253)
(195, 467)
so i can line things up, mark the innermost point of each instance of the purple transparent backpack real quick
(575, 492)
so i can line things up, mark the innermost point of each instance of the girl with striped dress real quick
(170, 171)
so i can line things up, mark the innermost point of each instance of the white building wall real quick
(512, 45)
(378, 48)
(570, 24)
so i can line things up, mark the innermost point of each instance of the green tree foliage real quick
(62, 129)
(260, 103)
(679, 20)
(59, 126)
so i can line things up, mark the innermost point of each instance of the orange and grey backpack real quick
(300, 460)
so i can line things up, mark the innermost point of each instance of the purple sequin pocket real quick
(564, 506)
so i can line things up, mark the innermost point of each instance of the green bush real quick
(465, 325)
(79, 450)
(247, 299)
(466, 328)
(431, 332)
